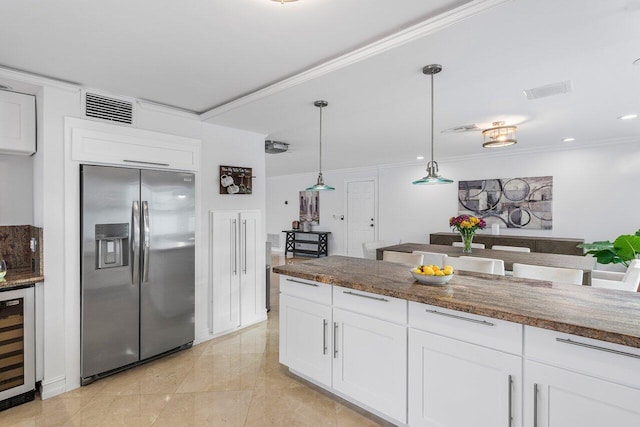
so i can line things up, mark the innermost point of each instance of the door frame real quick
(345, 227)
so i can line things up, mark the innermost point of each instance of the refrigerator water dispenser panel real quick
(112, 241)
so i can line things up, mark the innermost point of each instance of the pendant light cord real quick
(320, 168)
(432, 118)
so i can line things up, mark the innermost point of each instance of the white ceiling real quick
(199, 55)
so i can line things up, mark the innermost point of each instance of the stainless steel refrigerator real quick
(137, 266)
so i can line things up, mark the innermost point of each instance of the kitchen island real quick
(511, 351)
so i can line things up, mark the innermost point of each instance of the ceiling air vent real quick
(549, 90)
(275, 147)
(462, 128)
(111, 109)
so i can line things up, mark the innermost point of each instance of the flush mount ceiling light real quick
(499, 136)
(320, 185)
(433, 177)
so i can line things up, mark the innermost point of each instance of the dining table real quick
(584, 263)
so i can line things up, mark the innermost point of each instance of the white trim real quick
(400, 38)
(53, 387)
(167, 109)
(36, 79)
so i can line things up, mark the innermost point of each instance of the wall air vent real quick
(275, 147)
(110, 109)
(462, 128)
(548, 90)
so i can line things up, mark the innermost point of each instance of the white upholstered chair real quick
(553, 274)
(627, 281)
(510, 248)
(408, 259)
(471, 264)
(369, 248)
(432, 258)
(498, 264)
(473, 245)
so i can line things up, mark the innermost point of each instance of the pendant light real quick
(433, 177)
(320, 185)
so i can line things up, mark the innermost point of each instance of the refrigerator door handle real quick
(145, 241)
(135, 242)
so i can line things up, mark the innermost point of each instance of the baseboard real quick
(53, 387)
(206, 335)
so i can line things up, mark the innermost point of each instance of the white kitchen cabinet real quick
(17, 123)
(559, 397)
(237, 269)
(457, 384)
(370, 362)
(305, 338)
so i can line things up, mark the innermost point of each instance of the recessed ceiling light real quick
(420, 158)
(568, 139)
(628, 117)
(284, 1)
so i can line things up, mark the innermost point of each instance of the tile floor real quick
(234, 380)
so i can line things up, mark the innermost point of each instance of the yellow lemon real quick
(447, 271)
(428, 271)
(435, 268)
(449, 267)
(439, 273)
(417, 270)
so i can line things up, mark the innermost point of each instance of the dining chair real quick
(553, 274)
(471, 264)
(412, 260)
(369, 248)
(510, 248)
(627, 281)
(473, 245)
(433, 258)
(498, 264)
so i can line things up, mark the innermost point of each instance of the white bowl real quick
(430, 280)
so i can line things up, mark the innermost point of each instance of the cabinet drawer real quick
(592, 357)
(306, 289)
(485, 331)
(374, 305)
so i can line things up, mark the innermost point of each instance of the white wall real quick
(16, 190)
(595, 194)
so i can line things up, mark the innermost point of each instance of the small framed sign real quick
(235, 180)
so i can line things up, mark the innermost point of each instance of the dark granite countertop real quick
(600, 314)
(19, 277)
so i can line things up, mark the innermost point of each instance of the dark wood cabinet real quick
(314, 243)
(550, 245)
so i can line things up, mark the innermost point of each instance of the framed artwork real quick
(510, 202)
(310, 207)
(235, 180)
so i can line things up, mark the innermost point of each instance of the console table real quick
(550, 245)
(319, 239)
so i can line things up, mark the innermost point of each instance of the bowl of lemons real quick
(432, 274)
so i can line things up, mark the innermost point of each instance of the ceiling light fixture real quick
(420, 158)
(628, 117)
(284, 1)
(568, 139)
(320, 185)
(499, 136)
(433, 176)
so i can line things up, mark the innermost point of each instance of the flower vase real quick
(467, 238)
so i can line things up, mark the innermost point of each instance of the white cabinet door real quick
(305, 338)
(17, 123)
(370, 362)
(225, 271)
(556, 397)
(251, 268)
(457, 384)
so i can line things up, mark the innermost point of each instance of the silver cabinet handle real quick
(335, 340)
(235, 242)
(303, 283)
(146, 236)
(244, 223)
(365, 296)
(595, 347)
(510, 419)
(535, 405)
(481, 322)
(135, 241)
(146, 163)
(324, 336)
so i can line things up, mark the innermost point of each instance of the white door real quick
(370, 362)
(251, 268)
(557, 397)
(305, 338)
(225, 271)
(361, 215)
(456, 384)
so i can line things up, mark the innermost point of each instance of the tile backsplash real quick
(15, 247)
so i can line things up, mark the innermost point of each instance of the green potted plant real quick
(624, 249)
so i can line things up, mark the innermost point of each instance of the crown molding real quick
(36, 79)
(400, 38)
